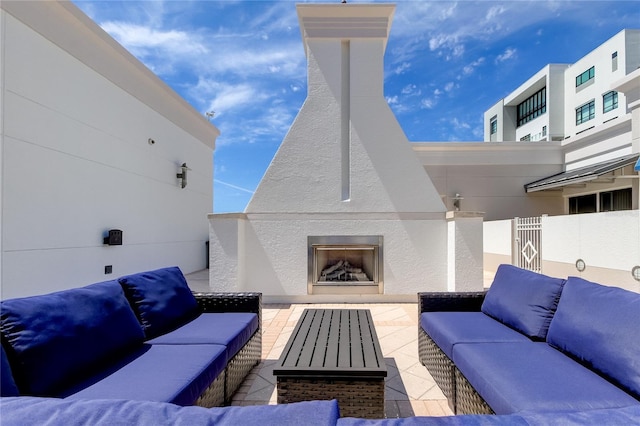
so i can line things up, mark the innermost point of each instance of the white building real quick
(580, 106)
(91, 141)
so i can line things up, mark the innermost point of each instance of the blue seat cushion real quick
(231, 329)
(8, 385)
(164, 373)
(161, 299)
(57, 339)
(533, 376)
(450, 328)
(600, 326)
(102, 412)
(611, 416)
(524, 300)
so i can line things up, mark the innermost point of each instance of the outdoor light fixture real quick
(580, 265)
(113, 237)
(456, 201)
(636, 273)
(183, 176)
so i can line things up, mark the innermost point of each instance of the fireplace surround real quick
(345, 264)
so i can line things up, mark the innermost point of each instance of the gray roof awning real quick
(583, 174)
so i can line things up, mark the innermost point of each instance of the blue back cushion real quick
(600, 326)
(523, 300)
(7, 384)
(161, 299)
(61, 338)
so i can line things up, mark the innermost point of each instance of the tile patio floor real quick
(410, 390)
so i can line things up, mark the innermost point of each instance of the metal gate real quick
(527, 243)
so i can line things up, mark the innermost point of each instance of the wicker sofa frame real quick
(227, 383)
(461, 396)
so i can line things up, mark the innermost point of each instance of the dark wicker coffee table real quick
(334, 354)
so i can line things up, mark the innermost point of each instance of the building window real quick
(526, 138)
(610, 101)
(532, 107)
(583, 204)
(615, 200)
(614, 61)
(585, 76)
(609, 201)
(586, 112)
(493, 125)
(544, 130)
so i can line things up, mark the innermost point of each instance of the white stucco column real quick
(226, 251)
(464, 251)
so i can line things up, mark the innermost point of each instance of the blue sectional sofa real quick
(141, 337)
(533, 344)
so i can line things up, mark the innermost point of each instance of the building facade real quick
(582, 107)
(92, 141)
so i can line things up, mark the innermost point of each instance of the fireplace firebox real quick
(345, 264)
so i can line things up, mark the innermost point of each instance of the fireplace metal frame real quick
(345, 241)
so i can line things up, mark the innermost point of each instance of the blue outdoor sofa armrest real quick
(450, 301)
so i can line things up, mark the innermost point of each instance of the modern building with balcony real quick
(582, 106)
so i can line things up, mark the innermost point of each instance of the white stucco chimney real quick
(345, 180)
(345, 151)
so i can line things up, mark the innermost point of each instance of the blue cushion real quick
(8, 386)
(613, 416)
(600, 326)
(516, 377)
(524, 300)
(449, 328)
(459, 420)
(60, 338)
(164, 373)
(161, 299)
(231, 329)
(125, 412)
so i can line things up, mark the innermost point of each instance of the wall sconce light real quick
(183, 176)
(635, 272)
(581, 265)
(456, 201)
(113, 238)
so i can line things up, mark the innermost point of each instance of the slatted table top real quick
(333, 343)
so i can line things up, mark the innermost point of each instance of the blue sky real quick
(446, 63)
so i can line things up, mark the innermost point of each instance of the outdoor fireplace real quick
(345, 264)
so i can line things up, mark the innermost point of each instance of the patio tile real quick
(409, 388)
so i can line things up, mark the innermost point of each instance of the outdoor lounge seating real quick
(141, 337)
(533, 343)
(103, 355)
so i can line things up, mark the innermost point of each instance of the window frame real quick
(493, 125)
(532, 107)
(591, 112)
(586, 76)
(614, 101)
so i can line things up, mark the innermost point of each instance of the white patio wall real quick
(77, 114)
(608, 243)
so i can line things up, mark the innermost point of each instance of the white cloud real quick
(428, 103)
(494, 12)
(411, 90)
(230, 185)
(400, 69)
(510, 53)
(459, 124)
(449, 86)
(469, 69)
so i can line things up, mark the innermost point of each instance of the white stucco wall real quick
(273, 259)
(608, 243)
(76, 160)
